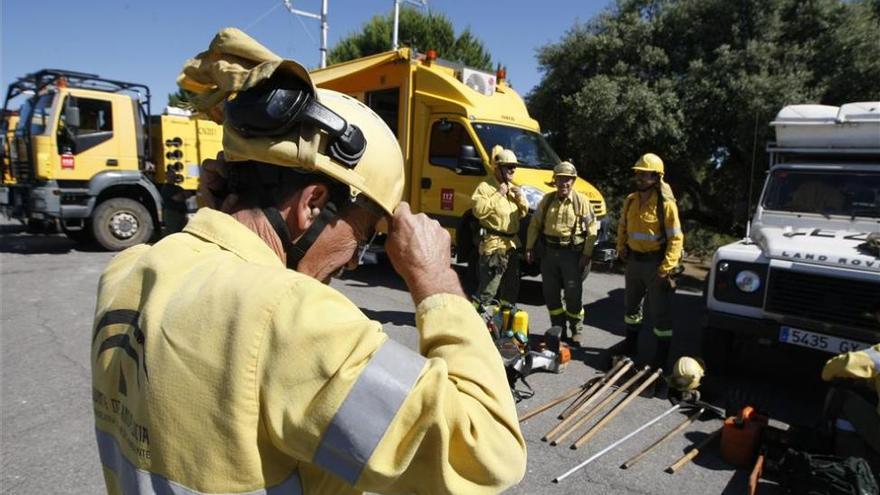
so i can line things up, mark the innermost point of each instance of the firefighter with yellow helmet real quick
(222, 362)
(566, 225)
(650, 241)
(499, 206)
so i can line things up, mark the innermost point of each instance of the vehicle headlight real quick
(533, 196)
(748, 281)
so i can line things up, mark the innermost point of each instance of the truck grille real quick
(823, 298)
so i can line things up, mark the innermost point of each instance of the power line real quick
(261, 17)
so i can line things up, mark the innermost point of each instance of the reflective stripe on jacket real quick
(557, 218)
(639, 229)
(216, 370)
(501, 213)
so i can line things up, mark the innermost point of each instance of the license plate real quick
(819, 341)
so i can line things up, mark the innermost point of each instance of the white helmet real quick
(687, 373)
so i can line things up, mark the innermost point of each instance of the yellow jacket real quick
(216, 369)
(561, 217)
(639, 228)
(863, 364)
(501, 213)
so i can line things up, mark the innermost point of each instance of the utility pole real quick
(417, 3)
(321, 17)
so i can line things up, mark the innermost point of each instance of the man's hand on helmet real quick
(420, 251)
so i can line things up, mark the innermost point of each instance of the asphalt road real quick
(47, 296)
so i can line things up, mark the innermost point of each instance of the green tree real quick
(423, 32)
(697, 81)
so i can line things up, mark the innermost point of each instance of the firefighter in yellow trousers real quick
(499, 206)
(222, 362)
(566, 225)
(650, 241)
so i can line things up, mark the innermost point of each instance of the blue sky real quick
(148, 41)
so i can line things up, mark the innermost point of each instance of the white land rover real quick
(806, 274)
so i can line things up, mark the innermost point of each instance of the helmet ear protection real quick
(274, 107)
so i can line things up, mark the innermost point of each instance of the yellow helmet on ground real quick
(503, 157)
(565, 169)
(649, 162)
(687, 373)
(272, 113)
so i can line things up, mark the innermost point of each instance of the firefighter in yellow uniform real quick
(499, 206)
(650, 241)
(222, 362)
(855, 411)
(567, 226)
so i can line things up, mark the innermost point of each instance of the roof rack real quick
(83, 80)
(773, 148)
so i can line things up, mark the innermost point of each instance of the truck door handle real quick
(426, 183)
(112, 162)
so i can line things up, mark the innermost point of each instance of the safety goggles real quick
(277, 105)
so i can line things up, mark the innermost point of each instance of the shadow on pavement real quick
(606, 313)
(381, 274)
(16, 241)
(399, 318)
(530, 292)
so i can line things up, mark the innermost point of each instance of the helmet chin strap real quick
(295, 251)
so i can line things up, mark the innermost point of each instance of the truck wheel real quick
(120, 223)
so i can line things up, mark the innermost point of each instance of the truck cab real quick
(79, 150)
(447, 118)
(807, 275)
(86, 155)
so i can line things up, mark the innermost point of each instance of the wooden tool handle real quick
(693, 452)
(675, 431)
(757, 471)
(567, 421)
(619, 407)
(568, 394)
(595, 410)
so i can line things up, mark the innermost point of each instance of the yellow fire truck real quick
(86, 155)
(447, 118)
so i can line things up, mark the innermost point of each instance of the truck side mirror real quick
(71, 117)
(469, 163)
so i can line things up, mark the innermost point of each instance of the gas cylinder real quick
(521, 326)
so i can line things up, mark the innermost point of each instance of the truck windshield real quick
(42, 112)
(825, 192)
(531, 149)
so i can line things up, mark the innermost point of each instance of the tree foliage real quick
(697, 82)
(423, 32)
